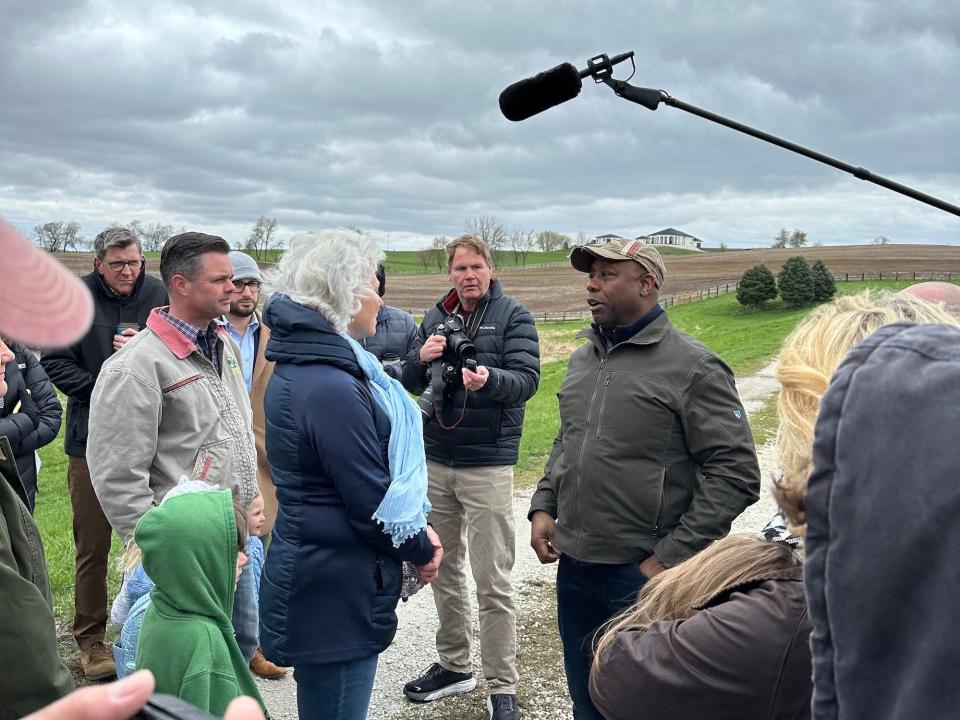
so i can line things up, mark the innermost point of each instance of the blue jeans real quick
(587, 596)
(335, 691)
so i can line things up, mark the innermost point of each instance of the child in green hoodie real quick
(192, 547)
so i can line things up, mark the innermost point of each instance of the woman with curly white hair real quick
(345, 444)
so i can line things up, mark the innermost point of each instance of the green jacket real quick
(189, 546)
(654, 453)
(32, 674)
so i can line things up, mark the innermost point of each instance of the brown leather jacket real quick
(744, 656)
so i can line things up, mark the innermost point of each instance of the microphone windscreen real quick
(540, 92)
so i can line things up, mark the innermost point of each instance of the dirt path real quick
(542, 691)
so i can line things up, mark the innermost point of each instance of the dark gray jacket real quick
(882, 575)
(396, 334)
(507, 344)
(654, 453)
(74, 369)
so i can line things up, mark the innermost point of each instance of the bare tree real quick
(582, 239)
(58, 236)
(425, 257)
(262, 237)
(881, 240)
(798, 238)
(489, 229)
(153, 236)
(439, 248)
(549, 240)
(781, 239)
(521, 243)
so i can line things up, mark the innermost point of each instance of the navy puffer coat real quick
(332, 577)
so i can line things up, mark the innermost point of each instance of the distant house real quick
(677, 238)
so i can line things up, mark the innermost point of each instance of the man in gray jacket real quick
(172, 401)
(653, 461)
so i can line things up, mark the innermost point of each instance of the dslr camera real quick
(443, 375)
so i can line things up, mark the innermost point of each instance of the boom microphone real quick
(540, 92)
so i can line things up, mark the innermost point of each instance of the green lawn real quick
(745, 340)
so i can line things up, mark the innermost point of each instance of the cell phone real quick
(167, 707)
(127, 326)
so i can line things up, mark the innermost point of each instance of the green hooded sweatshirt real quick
(189, 546)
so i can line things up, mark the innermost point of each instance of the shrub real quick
(824, 287)
(757, 285)
(795, 282)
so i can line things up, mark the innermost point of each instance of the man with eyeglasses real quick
(123, 296)
(245, 326)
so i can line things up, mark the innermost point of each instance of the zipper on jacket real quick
(660, 501)
(603, 403)
(583, 447)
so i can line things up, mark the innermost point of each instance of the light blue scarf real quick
(403, 510)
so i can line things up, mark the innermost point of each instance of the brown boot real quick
(97, 662)
(264, 668)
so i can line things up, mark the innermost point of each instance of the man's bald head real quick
(937, 292)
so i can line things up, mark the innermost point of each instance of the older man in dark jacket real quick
(654, 458)
(123, 296)
(471, 448)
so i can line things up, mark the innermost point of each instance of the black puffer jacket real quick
(882, 578)
(396, 334)
(74, 369)
(25, 373)
(506, 340)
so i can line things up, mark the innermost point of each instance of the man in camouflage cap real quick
(653, 461)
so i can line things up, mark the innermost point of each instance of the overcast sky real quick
(384, 115)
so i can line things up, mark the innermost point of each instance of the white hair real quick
(327, 271)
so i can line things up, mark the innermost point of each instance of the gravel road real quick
(413, 648)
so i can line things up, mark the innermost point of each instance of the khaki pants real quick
(91, 535)
(474, 507)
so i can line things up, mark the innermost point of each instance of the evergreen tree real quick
(795, 282)
(757, 285)
(824, 287)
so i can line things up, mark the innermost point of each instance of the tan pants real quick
(91, 535)
(474, 507)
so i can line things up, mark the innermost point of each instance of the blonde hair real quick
(678, 592)
(131, 556)
(808, 359)
(469, 242)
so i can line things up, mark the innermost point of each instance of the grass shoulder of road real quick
(745, 340)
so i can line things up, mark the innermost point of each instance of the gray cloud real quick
(384, 115)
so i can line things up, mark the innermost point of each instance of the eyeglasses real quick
(119, 265)
(241, 285)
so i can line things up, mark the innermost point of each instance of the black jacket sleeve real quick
(414, 377)
(517, 379)
(68, 373)
(45, 398)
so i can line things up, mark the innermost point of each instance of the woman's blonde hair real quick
(678, 592)
(808, 359)
(131, 556)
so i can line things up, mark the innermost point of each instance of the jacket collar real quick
(651, 334)
(793, 573)
(181, 346)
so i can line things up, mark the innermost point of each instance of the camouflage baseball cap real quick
(581, 257)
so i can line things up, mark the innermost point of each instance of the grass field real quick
(746, 341)
(408, 261)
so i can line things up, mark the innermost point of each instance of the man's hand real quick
(120, 340)
(432, 349)
(542, 529)
(473, 381)
(651, 566)
(121, 699)
(429, 572)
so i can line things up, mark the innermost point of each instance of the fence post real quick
(914, 274)
(881, 275)
(898, 276)
(862, 278)
(847, 277)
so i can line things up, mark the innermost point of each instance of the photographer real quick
(471, 448)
